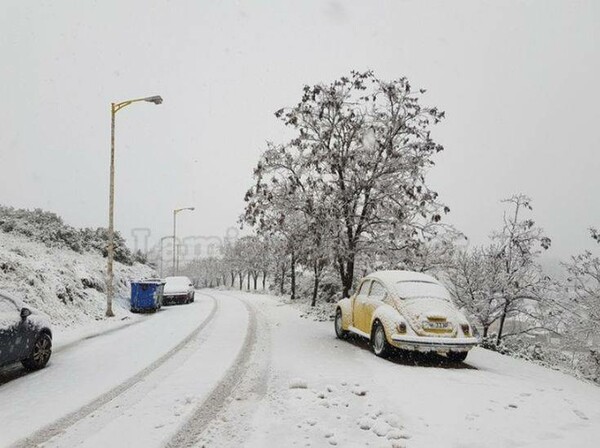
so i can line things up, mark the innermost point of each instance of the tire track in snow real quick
(60, 425)
(238, 377)
(97, 334)
(16, 371)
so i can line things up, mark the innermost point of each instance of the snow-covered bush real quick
(581, 363)
(49, 228)
(329, 289)
(66, 285)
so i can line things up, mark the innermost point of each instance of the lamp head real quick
(157, 99)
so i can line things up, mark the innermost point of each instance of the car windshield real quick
(421, 290)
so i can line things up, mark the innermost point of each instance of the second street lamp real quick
(175, 255)
(114, 108)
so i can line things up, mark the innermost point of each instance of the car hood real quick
(418, 310)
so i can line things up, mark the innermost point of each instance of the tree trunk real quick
(346, 268)
(232, 278)
(502, 320)
(293, 276)
(241, 277)
(486, 328)
(264, 279)
(282, 280)
(248, 282)
(255, 279)
(317, 273)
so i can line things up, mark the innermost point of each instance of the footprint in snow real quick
(580, 414)
(359, 391)
(393, 420)
(396, 434)
(298, 383)
(398, 444)
(381, 429)
(365, 423)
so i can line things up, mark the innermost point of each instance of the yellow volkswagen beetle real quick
(406, 310)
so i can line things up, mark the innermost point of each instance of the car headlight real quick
(401, 327)
(466, 329)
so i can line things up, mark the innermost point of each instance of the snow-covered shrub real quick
(581, 363)
(329, 290)
(66, 285)
(49, 229)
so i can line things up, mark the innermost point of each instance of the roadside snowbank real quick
(67, 286)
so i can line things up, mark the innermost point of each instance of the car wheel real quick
(457, 356)
(339, 329)
(379, 342)
(193, 294)
(40, 355)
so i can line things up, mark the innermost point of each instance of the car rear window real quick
(421, 290)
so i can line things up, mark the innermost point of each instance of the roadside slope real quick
(66, 285)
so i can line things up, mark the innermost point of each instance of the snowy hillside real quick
(66, 285)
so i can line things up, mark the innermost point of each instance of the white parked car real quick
(406, 310)
(178, 290)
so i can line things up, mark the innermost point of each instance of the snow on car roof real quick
(17, 301)
(392, 277)
(178, 280)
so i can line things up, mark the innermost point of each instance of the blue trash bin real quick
(146, 295)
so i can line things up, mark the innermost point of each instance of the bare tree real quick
(361, 150)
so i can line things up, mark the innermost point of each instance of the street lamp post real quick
(115, 107)
(175, 253)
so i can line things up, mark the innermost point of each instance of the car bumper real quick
(429, 344)
(175, 298)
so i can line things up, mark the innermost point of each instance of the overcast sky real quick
(518, 81)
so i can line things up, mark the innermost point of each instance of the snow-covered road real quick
(236, 369)
(131, 387)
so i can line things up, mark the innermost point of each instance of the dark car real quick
(25, 335)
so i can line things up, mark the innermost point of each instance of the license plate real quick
(436, 325)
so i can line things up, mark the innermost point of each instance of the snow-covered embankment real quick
(68, 286)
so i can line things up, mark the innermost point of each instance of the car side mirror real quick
(25, 313)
